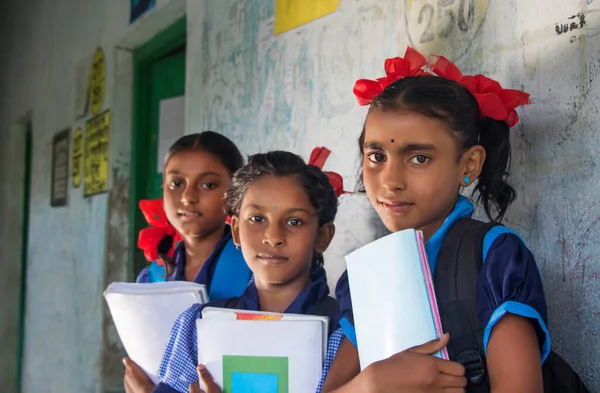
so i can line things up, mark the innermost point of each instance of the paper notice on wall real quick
(171, 122)
(97, 133)
(290, 14)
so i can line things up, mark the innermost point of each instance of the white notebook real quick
(234, 314)
(392, 296)
(144, 315)
(262, 355)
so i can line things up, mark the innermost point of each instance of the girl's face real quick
(413, 170)
(278, 230)
(194, 187)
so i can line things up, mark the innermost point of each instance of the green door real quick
(167, 81)
(159, 76)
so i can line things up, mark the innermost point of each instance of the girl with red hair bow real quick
(431, 132)
(188, 239)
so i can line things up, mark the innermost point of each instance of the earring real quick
(467, 180)
(238, 248)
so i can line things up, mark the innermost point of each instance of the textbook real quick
(144, 315)
(393, 298)
(262, 352)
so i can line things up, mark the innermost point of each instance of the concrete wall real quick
(292, 92)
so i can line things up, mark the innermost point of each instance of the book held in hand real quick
(393, 298)
(144, 315)
(249, 351)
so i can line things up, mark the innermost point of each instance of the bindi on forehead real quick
(392, 141)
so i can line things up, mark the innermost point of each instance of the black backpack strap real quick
(330, 308)
(559, 377)
(455, 281)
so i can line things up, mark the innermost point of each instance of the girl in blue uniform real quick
(425, 138)
(197, 172)
(282, 218)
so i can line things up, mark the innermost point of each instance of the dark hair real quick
(452, 103)
(282, 163)
(211, 142)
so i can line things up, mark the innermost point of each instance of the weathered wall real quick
(294, 92)
(45, 41)
(73, 251)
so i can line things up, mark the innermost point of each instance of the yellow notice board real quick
(290, 14)
(77, 158)
(95, 180)
(97, 82)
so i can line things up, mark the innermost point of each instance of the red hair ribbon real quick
(317, 158)
(396, 68)
(149, 238)
(494, 101)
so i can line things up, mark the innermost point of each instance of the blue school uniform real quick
(225, 273)
(509, 280)
(178, 368)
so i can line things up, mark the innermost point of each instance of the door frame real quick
(159, 46)
(28, 131)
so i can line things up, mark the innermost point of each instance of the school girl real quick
(426, 137)
(197, 172)
(282, 219)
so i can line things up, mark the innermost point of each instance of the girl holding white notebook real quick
(430, 132)
(282, 219)
(190, 239)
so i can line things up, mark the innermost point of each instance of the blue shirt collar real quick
(463, 208)
(205, 274)
(304, 302)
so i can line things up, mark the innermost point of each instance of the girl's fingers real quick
(449, 367)
(195, 388)
(207, 380)
(451, 381)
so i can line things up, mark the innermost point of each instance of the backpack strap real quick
(455, 282)
(231, 275)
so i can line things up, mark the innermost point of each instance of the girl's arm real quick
(513, 356)
(413, 370)
(135, 379)
(179, 363)
(344, 368)
(512, 307)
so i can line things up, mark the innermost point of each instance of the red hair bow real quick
(396, 68)
(317, 158)
(494, 101)
(149, 238)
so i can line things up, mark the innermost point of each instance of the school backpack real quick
(456, 272)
